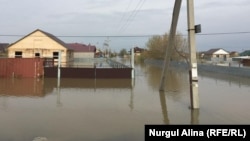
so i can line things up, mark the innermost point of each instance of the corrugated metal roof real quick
(77, 47)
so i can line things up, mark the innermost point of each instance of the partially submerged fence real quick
(236, 71)
(38, 67)
(98, 70)
(21, 67)
(92, 73)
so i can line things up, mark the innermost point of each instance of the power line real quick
(225, 33)
(124, 13)
(132, 15)
(119, 36)
(86, 36)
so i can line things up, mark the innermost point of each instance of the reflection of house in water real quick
(22, 87)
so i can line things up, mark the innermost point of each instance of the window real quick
(18, 54)
(55, 55)
(37, 55)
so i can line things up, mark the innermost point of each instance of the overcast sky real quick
(125, 18)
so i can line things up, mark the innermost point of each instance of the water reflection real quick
(29, 87)
(51, 83)
(131, 103)
(174, 79)
(231, 80)
(194, 113)
(194, 116)
(22, 87)
(164, 107)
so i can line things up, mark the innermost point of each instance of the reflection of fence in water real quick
(27, 87)
(69, 83)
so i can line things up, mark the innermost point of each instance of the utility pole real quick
(193, 74)
(171, 41)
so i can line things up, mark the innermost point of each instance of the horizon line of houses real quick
(45, 45)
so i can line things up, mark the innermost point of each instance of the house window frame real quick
(37, 55)
(18, 54)
(55, 55)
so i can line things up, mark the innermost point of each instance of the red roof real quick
(81, 47)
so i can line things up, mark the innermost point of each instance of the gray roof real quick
(212, 51)
(47, 34)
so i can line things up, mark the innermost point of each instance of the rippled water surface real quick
(116, 109)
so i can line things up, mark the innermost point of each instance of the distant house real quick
(99, 53)
(83, 55)
(216, 55)
(3, 47)
(244, 58)
(245, 53)
(138, 51)
(82, 50)
(234, 54)
(40, 44)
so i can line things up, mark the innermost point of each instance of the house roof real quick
(3, 46)
(212, 51)
(137, 49)
(51, 36)
(245, 53)
(77, 47)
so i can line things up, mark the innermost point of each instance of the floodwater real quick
(116, 109)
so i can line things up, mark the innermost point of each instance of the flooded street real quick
(116, 109)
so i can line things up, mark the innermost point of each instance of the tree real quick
(123, 52)
(157, 46)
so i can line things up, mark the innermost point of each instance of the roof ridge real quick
(53, 37)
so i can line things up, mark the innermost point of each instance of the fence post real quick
(132, 63)
(59, 68)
